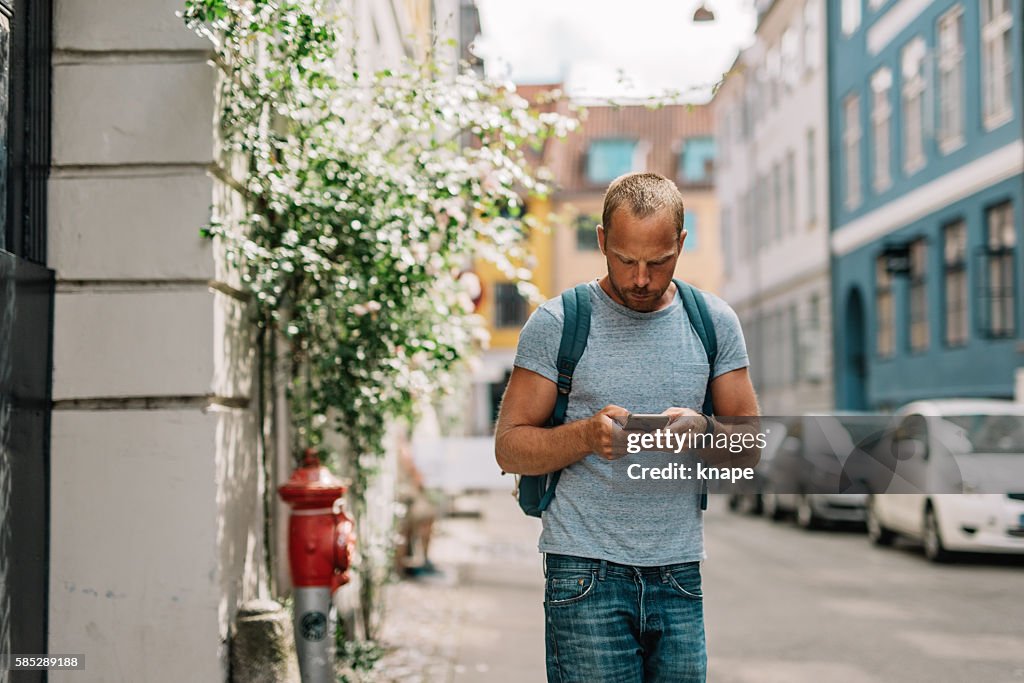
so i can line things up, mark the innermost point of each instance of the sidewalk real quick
(483, 619)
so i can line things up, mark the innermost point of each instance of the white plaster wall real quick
(156, 515)
(141, 524)
(789, 268)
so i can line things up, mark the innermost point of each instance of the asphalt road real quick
(782, 605)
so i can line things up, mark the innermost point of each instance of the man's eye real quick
(627, 261)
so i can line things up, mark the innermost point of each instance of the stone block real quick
(101, 25)
(263, 645)
(134, 544)
(133, 113)
(131, 227)
(149, 341)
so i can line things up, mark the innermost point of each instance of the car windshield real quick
(985, 433)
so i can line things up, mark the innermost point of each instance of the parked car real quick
(957, 479)
(806, 481)
(746, 496)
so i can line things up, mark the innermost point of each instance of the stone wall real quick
(156, 518)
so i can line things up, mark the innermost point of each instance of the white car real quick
(942, 446)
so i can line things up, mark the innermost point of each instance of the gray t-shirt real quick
(644, 362)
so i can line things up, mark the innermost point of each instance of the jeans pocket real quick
(686, 582)
(565, 589)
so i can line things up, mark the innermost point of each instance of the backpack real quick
(535, 492)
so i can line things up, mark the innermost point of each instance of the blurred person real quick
(417, 525)
(623, 599)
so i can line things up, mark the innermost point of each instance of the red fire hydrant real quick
(321, 541)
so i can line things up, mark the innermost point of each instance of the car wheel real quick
(756, 505)
(806, 518)
(934, 550)
(770, 506)
(878, 533)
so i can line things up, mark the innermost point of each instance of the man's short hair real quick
(643, 194)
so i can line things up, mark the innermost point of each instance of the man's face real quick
(641, 255)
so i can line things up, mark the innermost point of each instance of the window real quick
(777, 200)
(850, 17)
(913, 105)
(791, 190)
(996, 61)
(881, 114)
(918, 295)
(791, 57)
(811, 22)
(690, 223)
(812, 342)
(608, 159)
(727, 242)
(586, 232)
(812, 181)
(725, 136)
(749, 108)
(773, 71)
(794, 344)
(763, 212)
(998, 276)
(745, 229)
(697, 160)
(884, 331)
(25, 67)
(851, 149)
(951, 80)
(509, 306)
(954, 258)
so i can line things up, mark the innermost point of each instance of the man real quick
(622, 559)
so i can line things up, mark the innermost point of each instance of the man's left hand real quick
(685, 420)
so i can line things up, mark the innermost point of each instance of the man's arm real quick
(522, 445)
(732, 395)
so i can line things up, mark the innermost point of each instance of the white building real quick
(772, 185)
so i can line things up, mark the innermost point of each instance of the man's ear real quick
(601, 237)
(682, 238)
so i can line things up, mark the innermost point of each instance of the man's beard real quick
(640, 300)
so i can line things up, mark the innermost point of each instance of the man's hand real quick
(685, 420)
(607, 438)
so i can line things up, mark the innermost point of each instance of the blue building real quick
(926, 112)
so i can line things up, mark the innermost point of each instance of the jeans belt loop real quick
(664, 574)
(602, 570)
(545, 561)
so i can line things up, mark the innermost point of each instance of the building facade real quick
(770, 115)
(925, 113)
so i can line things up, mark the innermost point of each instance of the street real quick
(781, 605)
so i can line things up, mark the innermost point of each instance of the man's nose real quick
(642, 275)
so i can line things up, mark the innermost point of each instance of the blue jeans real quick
(617, 623)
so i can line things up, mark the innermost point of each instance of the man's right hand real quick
(607, 438)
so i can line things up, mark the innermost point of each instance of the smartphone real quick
(646, 423)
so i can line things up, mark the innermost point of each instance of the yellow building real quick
(675, 141)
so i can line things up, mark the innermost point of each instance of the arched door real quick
(854, 358)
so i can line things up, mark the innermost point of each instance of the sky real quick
(613, 49)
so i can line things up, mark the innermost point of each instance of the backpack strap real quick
(575, 330)
(700, 319)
